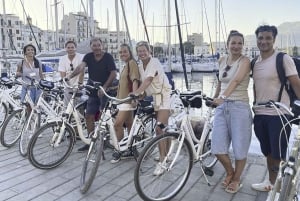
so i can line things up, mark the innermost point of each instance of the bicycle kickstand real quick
(206, 171)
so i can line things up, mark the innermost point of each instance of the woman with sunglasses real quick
(155, 83)
(233, 117)
(66, 66)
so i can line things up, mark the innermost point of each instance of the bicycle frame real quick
(290, 167)
(70, 111)
(7, 99)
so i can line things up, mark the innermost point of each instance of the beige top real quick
(134, 74)
(240, 93)
(267, 83)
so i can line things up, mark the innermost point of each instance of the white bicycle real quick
(287, 184)
(161, 175)
(141, 133)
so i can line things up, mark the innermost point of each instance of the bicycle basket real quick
(196, 103)
(46, 85)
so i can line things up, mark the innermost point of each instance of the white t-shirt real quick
(160, 82)
(64, 65)
(267, 83)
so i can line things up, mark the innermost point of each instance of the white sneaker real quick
(265, 186)
(159, 170)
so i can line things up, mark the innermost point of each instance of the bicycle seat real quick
(6, 82)
(46, 85)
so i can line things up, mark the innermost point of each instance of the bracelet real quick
(223, 97)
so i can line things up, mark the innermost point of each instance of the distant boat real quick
(205, 65)
(176, 67)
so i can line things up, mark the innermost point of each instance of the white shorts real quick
(125, 107)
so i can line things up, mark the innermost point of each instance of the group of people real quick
(233, 116)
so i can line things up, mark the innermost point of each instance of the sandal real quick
(227, 180)
(234, 187)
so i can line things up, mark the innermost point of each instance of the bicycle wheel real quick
(208, 159)
(44, 150)
(285, 187)
(3, 113)
(11, 128)
(144, 134)
(163, 180)
(91, 164)
(30, 127)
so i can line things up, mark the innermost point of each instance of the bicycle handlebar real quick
(118, 101)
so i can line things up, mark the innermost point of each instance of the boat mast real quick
(169, 36)
(91, 17)
(56, 24)
(143, 18)
(181, 46)
(126, 24)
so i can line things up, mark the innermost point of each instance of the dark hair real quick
(29, 45)
(95, 39)
(129, 49)
(234, 33)
(36, 62)
(267, 28)
(70, 41)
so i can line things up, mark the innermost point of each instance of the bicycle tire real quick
(144, 134)
(285, 187)
(167, 185)
(209, 160)
(3, 113)
(42, 152)
(91, 164)
(11, 128)
(28, 131)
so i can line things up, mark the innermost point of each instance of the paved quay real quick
(20, 181)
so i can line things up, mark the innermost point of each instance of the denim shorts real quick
(95, 104)
(232, 125)
(267, 129)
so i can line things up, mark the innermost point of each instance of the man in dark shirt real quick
(101, 68)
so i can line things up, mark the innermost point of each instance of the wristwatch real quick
(223, 97)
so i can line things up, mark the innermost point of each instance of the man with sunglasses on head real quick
(66, 66)
(267, 122)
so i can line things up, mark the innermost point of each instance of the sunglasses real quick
(72, 68)
(226, 70)
(142, 43)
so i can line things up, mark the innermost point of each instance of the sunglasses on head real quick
(227, 68)
(72, 68)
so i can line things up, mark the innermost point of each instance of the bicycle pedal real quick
(208, 172)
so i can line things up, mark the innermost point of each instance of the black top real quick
(99, 71)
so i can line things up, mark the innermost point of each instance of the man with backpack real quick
(268, 86)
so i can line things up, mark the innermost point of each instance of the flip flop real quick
(226, 181)
(234, 187)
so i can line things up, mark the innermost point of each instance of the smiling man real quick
(267, 122)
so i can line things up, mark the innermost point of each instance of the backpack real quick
(282, 77)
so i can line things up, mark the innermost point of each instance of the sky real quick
(241, 15)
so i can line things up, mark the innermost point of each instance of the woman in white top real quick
(233, 117)
(156, 84)
(30, 67)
